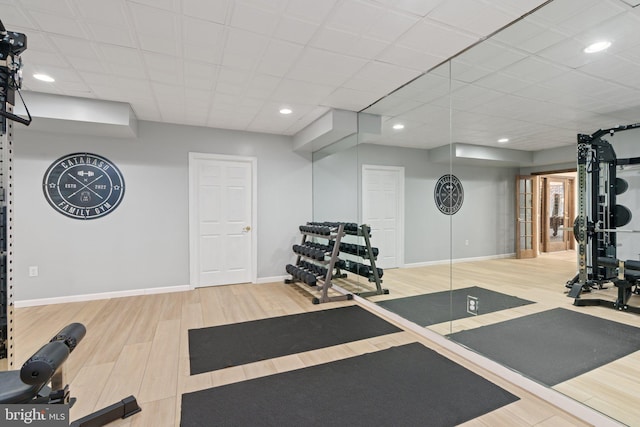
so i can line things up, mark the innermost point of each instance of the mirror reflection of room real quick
(494, 118)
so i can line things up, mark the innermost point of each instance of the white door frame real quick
(193, 211)
(400, 208)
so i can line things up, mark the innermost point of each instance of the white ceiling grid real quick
(533, 83)
(233, 63)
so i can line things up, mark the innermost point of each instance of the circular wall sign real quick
(448, 194)
(83, 186)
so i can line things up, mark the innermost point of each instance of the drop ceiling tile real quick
(293, 91)
(74, 47)
(468, 73)
(503, 83)
(45, 60)
(262, 86)
(197, 31)
(568, 53)
(279, 57)
(157, 30)
(610, 67)
(57, 24)
(465, 13)
(152, 21)
(111, 35)
(379, 78)
(310, 10)
(556, 12)
(534, 69)
(592, 15)
(318, 66)
(111, 13)
(199, 98)
(199, 75)
(415, 7)
(243, 49)
(491, 55)
(163, 68)
(354, 16)
(348, 43)
(170, 5)
(214, 11)
(390, 25)
(121, 61)
(15, 19)
(621, 31)
(449, 42)
(295, 30)
(410, 58)
(61, 7)
(203, 41)
(254, 19)
(84, 64)
(128, 87)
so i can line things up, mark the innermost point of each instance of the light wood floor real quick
(613, 389)
(138, 345)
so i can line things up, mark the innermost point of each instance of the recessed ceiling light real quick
(44, 78)
(286, 111)
(503, 140)
(597, 47)
(398, 126)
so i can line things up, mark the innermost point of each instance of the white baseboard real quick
(98, 296)
(119, 294)
(273, 279)
(455, 261)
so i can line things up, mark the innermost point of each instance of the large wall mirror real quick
(491, 136)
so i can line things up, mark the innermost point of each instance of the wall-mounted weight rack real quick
(315, 262)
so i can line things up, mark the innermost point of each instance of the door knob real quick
(247, 228)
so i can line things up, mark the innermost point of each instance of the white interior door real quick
(222, 225)
(383, 211)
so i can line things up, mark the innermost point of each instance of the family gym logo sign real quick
(83, 186)
(34, 415)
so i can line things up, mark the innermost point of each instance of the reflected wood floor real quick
(613, 389)
(138, 345)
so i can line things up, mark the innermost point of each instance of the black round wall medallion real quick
(448, 194)
(83, 186)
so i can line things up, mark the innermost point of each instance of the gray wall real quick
(144, 243)
(486, 219)
(335, 186)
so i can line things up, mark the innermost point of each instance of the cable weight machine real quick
(600, 218)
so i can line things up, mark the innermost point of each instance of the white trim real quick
(193, 210)
(553, 397)
(400, 201)
(457, 260)
(98, 296)
(127, 293)
(272, 279)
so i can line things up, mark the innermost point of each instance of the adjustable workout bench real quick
(29, 384)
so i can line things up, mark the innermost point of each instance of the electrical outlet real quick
(466, 243)
(33, 271)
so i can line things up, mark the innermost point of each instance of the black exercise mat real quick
(240, 343)
(438, 307)
(553, 346)
(409, 385)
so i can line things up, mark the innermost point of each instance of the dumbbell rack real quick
(367, 254)
(319, 282)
